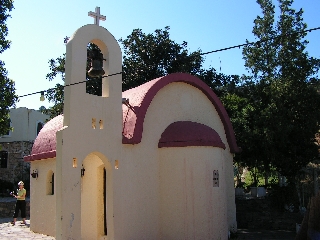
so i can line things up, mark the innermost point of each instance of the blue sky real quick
(37, 29)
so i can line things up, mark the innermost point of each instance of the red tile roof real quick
(45, 144)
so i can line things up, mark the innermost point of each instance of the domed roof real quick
(45, 144)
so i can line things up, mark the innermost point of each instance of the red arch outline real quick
(188, 133)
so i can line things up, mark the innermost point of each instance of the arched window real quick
(50, 183)
(3, 159)
(39, 127)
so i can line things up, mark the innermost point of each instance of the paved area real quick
(21, 232)
(18, 231)
(12, 199)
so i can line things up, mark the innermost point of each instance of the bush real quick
(284, 198)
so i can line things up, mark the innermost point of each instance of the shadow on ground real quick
(264, 234)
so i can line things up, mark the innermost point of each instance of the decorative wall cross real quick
(96, 15)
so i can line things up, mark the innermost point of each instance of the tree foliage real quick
(281, 117)
(149, 56)
(7, 86)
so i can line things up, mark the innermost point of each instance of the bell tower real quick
(92, 125)
(76, 57)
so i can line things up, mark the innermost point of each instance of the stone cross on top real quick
(96, 15)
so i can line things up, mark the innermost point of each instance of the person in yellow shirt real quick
(20, 204)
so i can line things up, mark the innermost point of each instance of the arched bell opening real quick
(94, 70)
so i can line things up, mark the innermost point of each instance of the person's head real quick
(21, 184)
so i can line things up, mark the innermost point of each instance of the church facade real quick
(153, 162)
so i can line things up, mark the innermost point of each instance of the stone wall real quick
(7, 209)
(16, 169)
(256, 213)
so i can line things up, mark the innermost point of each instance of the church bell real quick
(96, 69)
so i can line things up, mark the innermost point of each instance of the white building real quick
(16, 144)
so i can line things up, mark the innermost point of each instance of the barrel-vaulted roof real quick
(141, 97)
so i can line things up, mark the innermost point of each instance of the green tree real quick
(146, 57)
(7, 86)
(242, 107)
(284, 99)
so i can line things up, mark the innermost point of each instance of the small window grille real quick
(215, 178)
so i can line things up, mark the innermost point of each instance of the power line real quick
(71, 84)
(205, 53)
(258, 42)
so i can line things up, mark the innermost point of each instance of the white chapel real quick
(153, 162)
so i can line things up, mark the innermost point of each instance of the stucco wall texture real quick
(42, 203)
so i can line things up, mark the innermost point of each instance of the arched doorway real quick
(93, 198)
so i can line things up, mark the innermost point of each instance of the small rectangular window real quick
(39, 127)
(3, 159)
(8, 133)
(101, 123)
(93, 123)
(52, 184)
(74, 162)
